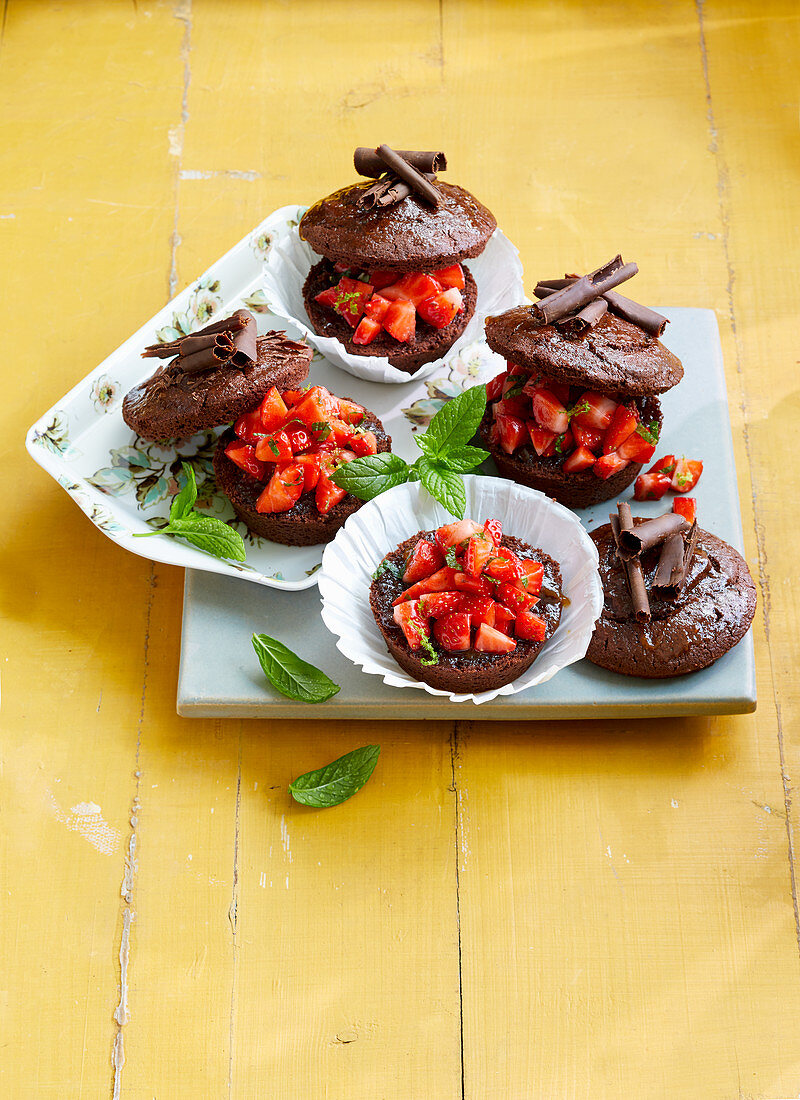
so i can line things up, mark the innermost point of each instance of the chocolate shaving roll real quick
(675, 562)
(368, 163)
(386, 192)
(583, 290)
(632, 566)
(231, 340)
(653, 532)
(647, 319)
(578, 323)
(410, 175)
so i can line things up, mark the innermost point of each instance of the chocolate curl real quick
(653, 532)
(632, 566)
(579, 323)
(386, 192)
(675, 562)
(231, 340)
(647, 319)
(583, 290)
(368, 163)
(410, 175)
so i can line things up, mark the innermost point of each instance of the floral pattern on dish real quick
(205, 301)
(466, 369)
(55, 436)
(104, 393)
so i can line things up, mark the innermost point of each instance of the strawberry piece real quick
(479, 608)
(451, 534)
(450, 276)
(473, 586)
(515, 599)
(532, 576)
(440, 309)
(376, 308)
(518, 406)
(400, 320)
(244, 455)
(293, 397)
(310, 465)
(503, 618)
(299, 439)
(494, 529)
(350, 412)
(435, 605)
(548, 412)
(443, 580)
(494, 387)
(686, 507)
(327, 297)
(593, 410)
(511, 433)
(687, 474)
(417, 286)
(452, 632)
(364, 443)
(367, 331)
(504, 566)
(590, 438)
(317, 407)
(341, 434)
(490, 640)
(544, 442)
(665, 465)
(580, 459)
(380, 279)
(623, 423)
(426, 558)
(560, 389)
(530, 627)
(411, 624)
(327, 495)
(636, 449)
(565, 443)
(275, 448)
(283, 489)
(272, 410)
(249, 427)
(650, 486)
(608, 465)
(479, 549)
(351, 299)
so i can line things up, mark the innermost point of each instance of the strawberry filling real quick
(294, 441)
(678, 474)
(577, 429)
(372, 302)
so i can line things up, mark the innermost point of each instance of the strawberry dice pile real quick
(379, 301)
(468, 591)
(294, 441)
(678, 474)
(586, 430)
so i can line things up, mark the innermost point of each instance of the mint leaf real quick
(184, 500)
(462, 459)
(390, 567)
(366, 477)
(444, 485)
(451, 559)
(209, 534)
(338, 781)
(427, 446)
(457, 421)
(290, 674)
(649, 432)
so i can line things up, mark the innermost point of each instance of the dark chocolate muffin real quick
(469, 671)
(173, 405)
(711, 614)
(302, 525)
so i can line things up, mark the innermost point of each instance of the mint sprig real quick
(446, 454)
(205, 532)
(290, 674)
(337, 781)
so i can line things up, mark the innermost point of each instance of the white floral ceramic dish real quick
(376, 529)
(125, 484)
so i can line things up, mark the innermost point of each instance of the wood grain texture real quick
(588, 909)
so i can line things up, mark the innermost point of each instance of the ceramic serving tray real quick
(220, 613)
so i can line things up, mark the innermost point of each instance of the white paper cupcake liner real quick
(497, 271)
(383, 523)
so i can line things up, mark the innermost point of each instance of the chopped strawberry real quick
(350, 412)
(548, 412)
(686, 507)
(435, 605)
(380, 279)
(451, 534)
(636, 448)
(244, 455)
(443, 580)
(650, 486)
(452, 632)
(411, 624)
(426, 558)
(494, 529)
(687, 474)
(518, 406)
(450, 276)
(511, 433)
(665, 465)
(490, 640)
(608, 465)
(299, 439)
(623, 423)
(293, 397)
(377, 307)
(327, 495)
(272, 410)
(530, 627)
(532, 576)
(479, 550)
(515, 599)
(364, 443)
(544, 442)
(311, 468)
(503, 618)
(367, 331)
(504, 566)
(440, 309)
(283, 489)
(327, 297)
(351, 298)
(275, 448)
(494, 387)
(400, 320)
(560, 389)
(590, 438)
(341, 434)
(479, 608)
(580, 459)
(417, 286)
(473, 586)
(593, 410)
(249, 427)
(316, 408)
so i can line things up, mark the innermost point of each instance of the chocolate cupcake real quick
(576, 413)
(215, 375)
(465, 608)
(672, 607)
(392, 281)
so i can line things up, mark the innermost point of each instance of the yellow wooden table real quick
(584, 909)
